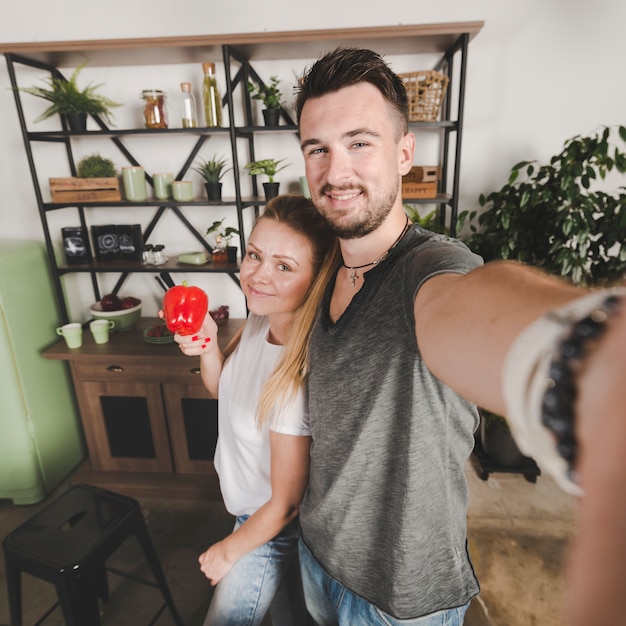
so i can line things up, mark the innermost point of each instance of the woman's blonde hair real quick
(299, 214)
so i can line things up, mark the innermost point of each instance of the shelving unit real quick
(238, 52)
(155, 390)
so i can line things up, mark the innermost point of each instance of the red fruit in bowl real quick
(111, 302)
(129, 302)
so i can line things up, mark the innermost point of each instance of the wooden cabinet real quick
(149, 423)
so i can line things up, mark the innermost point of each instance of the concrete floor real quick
(518, 533)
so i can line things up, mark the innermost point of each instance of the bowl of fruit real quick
(123, 312)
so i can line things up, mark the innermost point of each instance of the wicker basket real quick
(425, 90)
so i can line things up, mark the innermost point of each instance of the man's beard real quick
(364, 223)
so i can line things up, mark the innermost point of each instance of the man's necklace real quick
(353, 274)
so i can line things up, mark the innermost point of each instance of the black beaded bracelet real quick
(557, 409)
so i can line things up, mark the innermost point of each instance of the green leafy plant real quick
(225, 233)
(556, 216)
(66, 97)
(96, 166)
(430, 221)
(270, 94)
(268, 167)
(212, 170)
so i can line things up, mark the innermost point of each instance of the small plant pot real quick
(271, 117)
(271, 190)
(231, 254)
(214, 191)
(76, 122)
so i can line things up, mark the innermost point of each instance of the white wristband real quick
(525, 381)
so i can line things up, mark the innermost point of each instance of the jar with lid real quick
(211, 97)
(188, 114)
(219, 251)
(147, 256)
(154, 108)
(159, 254)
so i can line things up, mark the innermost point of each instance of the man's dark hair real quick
(344, 67)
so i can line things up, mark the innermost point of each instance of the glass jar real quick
(147, 256)
(188, 113)
(219, 251)
(159, 254)
(154, 108)
(212, 103)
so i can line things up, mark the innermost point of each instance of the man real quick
(412, 330)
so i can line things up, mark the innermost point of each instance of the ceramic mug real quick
(182, 190)
(162, 185)
(134, 179)
(100, 330)
(72, 333)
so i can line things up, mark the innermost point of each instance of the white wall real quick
(539, 72)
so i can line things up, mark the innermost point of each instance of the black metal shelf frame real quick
(238, 71)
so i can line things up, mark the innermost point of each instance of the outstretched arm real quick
(465, 324)
(289, 476)
(465, 327)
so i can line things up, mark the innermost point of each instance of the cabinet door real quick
(125, 426)
(192, 420)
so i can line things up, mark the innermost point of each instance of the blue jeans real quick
(266, 579)
(332, 604)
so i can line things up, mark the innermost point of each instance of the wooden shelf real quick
(400, 39)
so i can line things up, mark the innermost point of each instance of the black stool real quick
(67, 544)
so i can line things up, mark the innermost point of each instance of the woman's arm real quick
(289, 471)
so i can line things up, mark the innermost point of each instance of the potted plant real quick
(213, 171)
(223, 251)
(269, 168)
(557, 217)
(72, 103)
(96, 166)
(96, 181)
(271, 96)
(429, 221)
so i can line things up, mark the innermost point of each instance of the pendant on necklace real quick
(353, 277)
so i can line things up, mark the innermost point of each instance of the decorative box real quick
(85, 189)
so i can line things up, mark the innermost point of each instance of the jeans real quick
(266, 579)
(332, 604)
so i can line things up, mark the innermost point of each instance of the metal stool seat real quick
(67, 543)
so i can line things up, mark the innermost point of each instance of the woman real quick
(262, 455)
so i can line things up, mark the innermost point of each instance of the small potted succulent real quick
(269, 168)
(72, 103)
(212, 171)
(223, 251)
(271, 97)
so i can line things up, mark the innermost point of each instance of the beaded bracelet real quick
(557, 408)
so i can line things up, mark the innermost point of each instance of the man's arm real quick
(466, 323)
(465, 326)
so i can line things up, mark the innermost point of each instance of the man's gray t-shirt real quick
(385, 510)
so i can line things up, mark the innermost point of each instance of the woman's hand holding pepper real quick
(203, 342)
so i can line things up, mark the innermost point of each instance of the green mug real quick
(100, 330)
(72, 333)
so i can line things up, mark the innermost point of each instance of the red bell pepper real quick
(185, 308)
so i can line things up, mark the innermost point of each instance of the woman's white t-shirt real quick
(242, 456)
